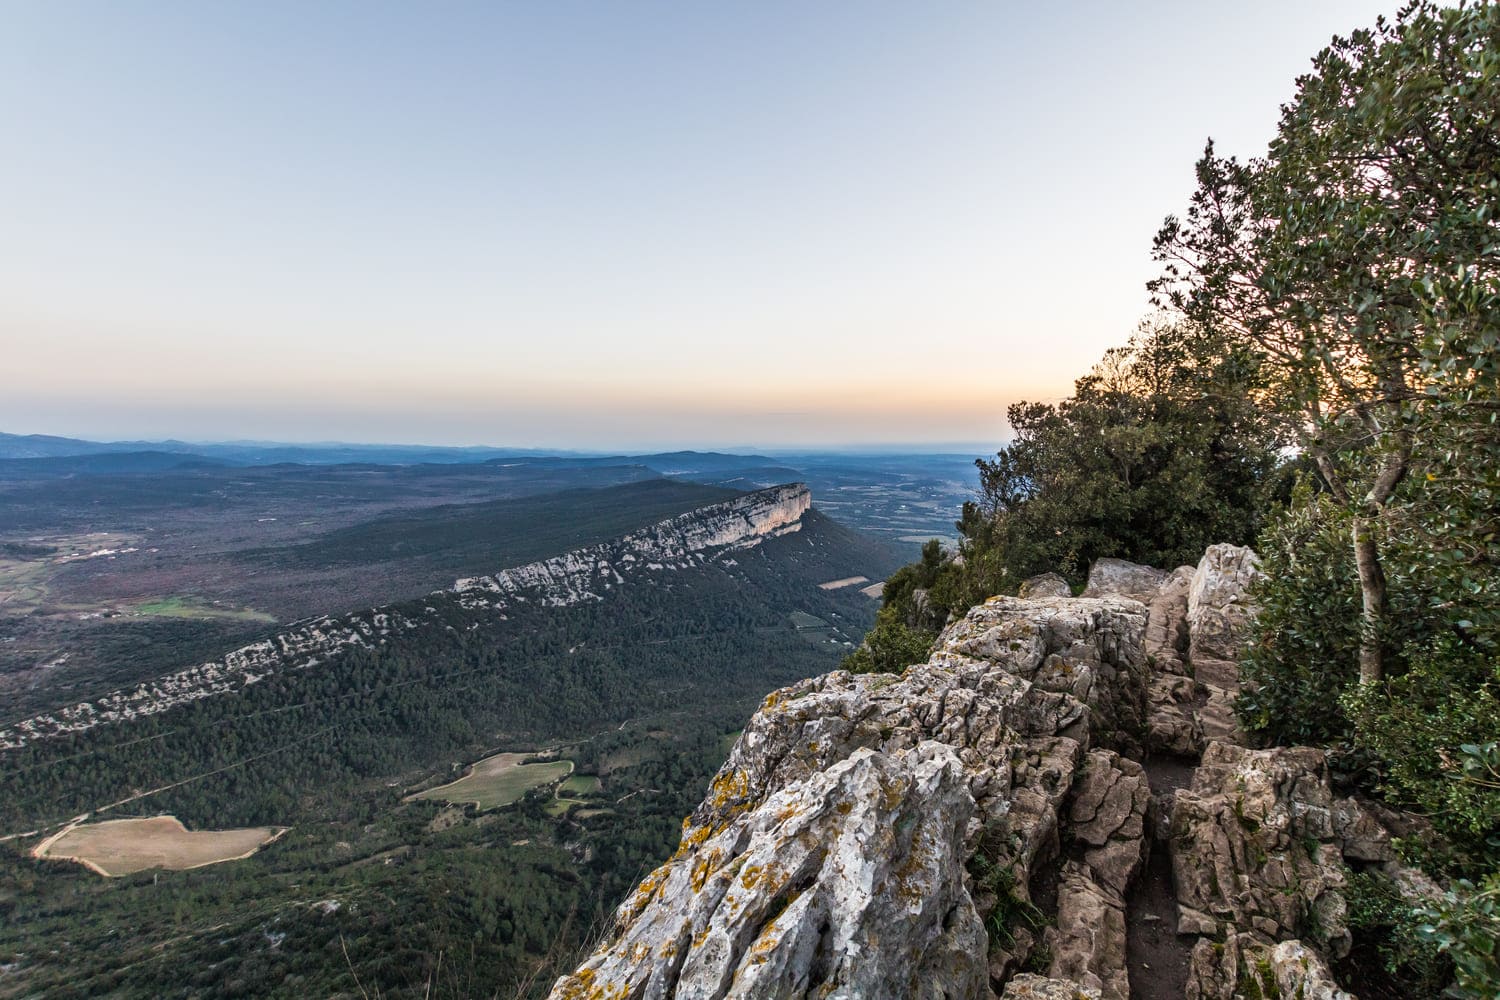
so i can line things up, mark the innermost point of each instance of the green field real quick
(188, 607)
(498, 781)
(579, 784)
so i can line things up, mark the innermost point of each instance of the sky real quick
(600, 225)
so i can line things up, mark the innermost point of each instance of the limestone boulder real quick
(1088, 942)
(1301, 972)
(1090, 649)
(1105, 823)
(1106, 819)
(1118, 578)
(1042, 586)
(1173, 722)
(846, 884)
(1166, 638)
(834, 852)
(1220, 606)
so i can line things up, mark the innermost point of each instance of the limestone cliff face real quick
(977, 826)
(693, 538)
(673, 544)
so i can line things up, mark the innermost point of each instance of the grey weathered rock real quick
(1088, 648)
(1247, 965)
(1219, 605)
(1028, 986)
(1173, 722)
(1088, 943)
(837, 790)
(1118, 578)
(1216, 968)
(1107, 818)
(867, 826)
(1255, 848)
(1166, 639)
(1042, 586)
(1106, 821)
(1301, 973)
(808, 890)
(1219, 611)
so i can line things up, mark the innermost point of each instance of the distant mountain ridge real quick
(41, 447)
(708, 533)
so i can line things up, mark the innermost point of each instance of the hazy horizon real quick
(871, 448)
(571, 226)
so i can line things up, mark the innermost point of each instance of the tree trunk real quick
(1372, 592)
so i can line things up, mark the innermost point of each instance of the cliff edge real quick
(982, 824)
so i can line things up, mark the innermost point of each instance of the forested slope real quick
(650, 678)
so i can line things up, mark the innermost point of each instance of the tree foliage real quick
(1157, 454)
(1366, 231)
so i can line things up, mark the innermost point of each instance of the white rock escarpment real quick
(689, 539)
(679, 542)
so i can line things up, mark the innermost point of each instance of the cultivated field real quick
(498, 781)
(123, 846)
(579, 785)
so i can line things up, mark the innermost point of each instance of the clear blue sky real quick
(598, 224)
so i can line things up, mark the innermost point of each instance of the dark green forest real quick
(644, 687)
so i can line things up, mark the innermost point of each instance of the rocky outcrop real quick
(1243, 965)
(682, 541)
(1088, 648)
(804, 889)
(1219, 611)
(1118, 578)
(1173, 724)
(982, 818)
(1256, 848)
(1028, 986)
(1003, 716)
(1167, 635)
(1302, 973)
(711, 532)
(1219, 606)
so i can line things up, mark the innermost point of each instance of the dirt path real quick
(1157, 955)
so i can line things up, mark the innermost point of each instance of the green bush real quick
(1465, 924)
(890, 647)
(1376, 912)
(1303, 650)
(1433, 731)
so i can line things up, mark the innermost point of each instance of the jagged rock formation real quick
(1018, 739)
(864, 826)
(1029, 986)
(807, 887)
(711, 532)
